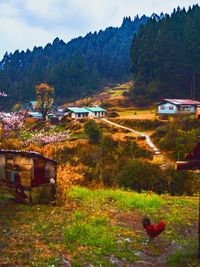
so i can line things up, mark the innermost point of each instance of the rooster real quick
(153, 230)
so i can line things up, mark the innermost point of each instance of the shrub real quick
(93, 131)
(182, 182)
(112, 114)
(139, 175)
(142, 125)
(177, 136)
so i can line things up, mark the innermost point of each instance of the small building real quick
(87, 112)
(35, 115)
(29, 175)
(32, 107)
(76, 113)
(96, 112)
(177, 106)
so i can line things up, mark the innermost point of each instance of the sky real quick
(28, 23)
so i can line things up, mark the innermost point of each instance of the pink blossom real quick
(3, 94)
(11, 122)
(44, 138)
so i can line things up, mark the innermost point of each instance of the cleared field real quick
(132, 113)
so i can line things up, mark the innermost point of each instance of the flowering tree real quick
(3, 94)
(11, 122)
(10, 125)
(44, 138)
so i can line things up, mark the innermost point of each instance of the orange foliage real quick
(67, 176)
(30, 121)
(11, 143)
(33, 147)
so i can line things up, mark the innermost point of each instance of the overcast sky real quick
(28, 23)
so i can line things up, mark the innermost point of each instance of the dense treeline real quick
(165, 57)
(75, 69)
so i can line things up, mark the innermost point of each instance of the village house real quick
(32, 107)
(177, 106)
(96, 112)
(76, 112)
(87, 112)
(31, 111)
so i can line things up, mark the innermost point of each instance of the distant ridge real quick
(76, 69)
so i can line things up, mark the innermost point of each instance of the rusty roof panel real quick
(25, 154)
(182, 101)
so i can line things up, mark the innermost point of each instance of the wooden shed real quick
(191, 161)
(29, 175)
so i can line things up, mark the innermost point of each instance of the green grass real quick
(118, 198)
(97, 237)
(116, 92)
(95, 226)
(79, 136)
(185, 254)
(93, 232)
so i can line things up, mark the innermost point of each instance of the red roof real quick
(183, 101)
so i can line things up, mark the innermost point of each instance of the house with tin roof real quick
(31, 106)
(96, 112)
(31, 111)
(177, 106)
(87, 112)
(76, 112)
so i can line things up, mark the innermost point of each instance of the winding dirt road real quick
(146, 136)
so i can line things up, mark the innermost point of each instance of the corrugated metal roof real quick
(25, 154)
(78, 110)
(96, 109)
(182, 101)
(33, 102)
(37, 115)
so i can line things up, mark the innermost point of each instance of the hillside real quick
(99, 228)
(165, 60)
(75, 69)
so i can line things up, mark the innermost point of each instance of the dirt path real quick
(146, 136)
(159, 157)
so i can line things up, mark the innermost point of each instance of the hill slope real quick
(75, 69)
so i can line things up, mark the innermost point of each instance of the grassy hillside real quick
(98, 228)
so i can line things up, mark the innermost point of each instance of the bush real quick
(177, 136)
(182, 182)
(112, 114)
(93, 131)
(141, 125)
(139, 175)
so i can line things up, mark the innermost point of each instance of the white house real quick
(177, 106)
(96, 112)
(77, 113)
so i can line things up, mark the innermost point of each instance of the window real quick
(171, 107)
(162, 107)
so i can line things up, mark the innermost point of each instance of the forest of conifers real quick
(165, 57)
(75, 69)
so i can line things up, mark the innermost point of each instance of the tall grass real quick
(118, 198)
